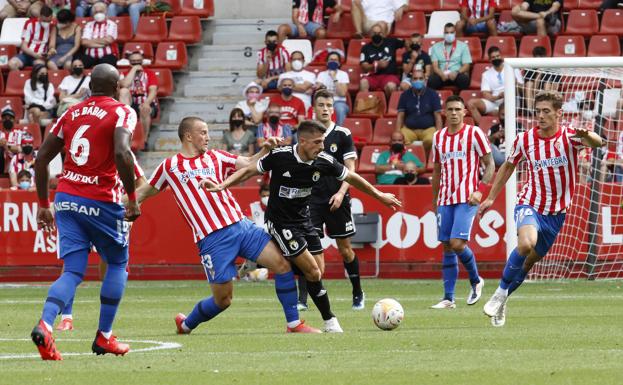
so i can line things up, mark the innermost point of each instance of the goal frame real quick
(510, 64)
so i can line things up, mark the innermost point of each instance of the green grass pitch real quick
(556, 333)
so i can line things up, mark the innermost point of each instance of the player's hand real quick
(390, 200)
(474, 198)
(484, 206)
(211, 185)
(336, 201)
(302, 31)
(272, 142)
(45, 219)
(581, 132)
(132, 211)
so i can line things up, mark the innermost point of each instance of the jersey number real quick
(80, 147)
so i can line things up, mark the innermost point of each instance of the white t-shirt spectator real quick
(382, 10)
(300, 77)
(70, 83)
(260, 106)
(493, 81)
(39, 96)
(325, 78)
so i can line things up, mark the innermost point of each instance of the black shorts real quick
(293, 240)
(152, 114)
(339, 223)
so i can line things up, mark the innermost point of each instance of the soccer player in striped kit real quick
(458, 150)
(551, 150)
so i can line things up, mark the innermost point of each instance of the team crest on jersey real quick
(333, 147)
(293, 244)
(316, 176)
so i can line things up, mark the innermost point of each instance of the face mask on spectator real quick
(409, 177)
(397, 147)
(264, 201)
(297, 65)
(24, 185)
(99, 17)
(271, 46)
(237, 122)
(42, 78)
(377, 39)
(415, 47)
(27, 150)
(77, 71)
(497, 62)
(333, 65)
(449, 37)
(287, 91)
(417, 84)
(252, 96)
(273, 119)
(7, 124)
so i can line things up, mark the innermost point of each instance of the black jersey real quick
(338, 143)
(292, 180)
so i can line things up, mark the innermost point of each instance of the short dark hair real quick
(45, 11)
(310, 127)
(302, 54)
(539, 51)
(271, 33)
(549, 96)
(416, 34)
(334, 53)
(186, 124)
(448, 25)
(322, 93)
(493, 49)
(454, 98)
(234, 112)
(23, 173)
(65, 16)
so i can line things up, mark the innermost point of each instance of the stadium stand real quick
(186, 29)
(151, 29)
(528, 43)
(411, 22)
(604, 45)
(569, 46)
(171, 55)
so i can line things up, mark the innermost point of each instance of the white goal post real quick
(567, 74)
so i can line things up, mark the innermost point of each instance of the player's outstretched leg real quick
(111, 293)
(207, 308)
(450, 273)
(511, 270)
(351, 264)
(67, 321)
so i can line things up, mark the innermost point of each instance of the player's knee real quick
(281, 266)
(457, 245)
(314, 274)
(223, 301)
(346, 252)
(524, 247)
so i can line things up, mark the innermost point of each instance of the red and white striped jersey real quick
(478, 8)
(95, 30)
(552, 168)
(205, 212)
(277, 64)
(459, 155)
(36, 35)
(139, 88)
(19, 163)
(13, 137)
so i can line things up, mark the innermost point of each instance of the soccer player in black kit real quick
(295, 170)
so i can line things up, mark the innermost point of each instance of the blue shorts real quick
(311, 28)
(218, 250)
(27, 60)
(478, 28)
(547, 226)
(455, 221)
(84, 222)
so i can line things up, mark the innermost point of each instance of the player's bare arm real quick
(589, 138)
(234, 179)
(143, 192)
(51, 146)
(476, 197)
(504, 173)
(267, 145)
(435, 183)
(363, 185)
(125, 167)
(338, 197)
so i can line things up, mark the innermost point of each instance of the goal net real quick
(590, 245)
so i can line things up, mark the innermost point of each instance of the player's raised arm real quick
(51, 146)
(363, 185)
(269, 144)
(589, 138)
(234, 179)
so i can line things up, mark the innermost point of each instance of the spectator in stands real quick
(254, 105)
(336, 81)
(538, 16)
(292, 109)
(10, 138)
(24, 160)
(414, 56)
(66, 40)
(378, 60)
(419, 112)
(134, 8)
(24, 181)
(612, 163)
(35, 41)
(399, 166)
(74, 87)
(21, 8)
(308, 19)
(39, 95)
(477, 17)
(451, 61)
(272, 61)
(99, 38)
(492, 87)
(610, 4)
(368, 13)
(535, 81)
(239, 139)
(496, 138)
(274, 126)
(139, 89)
(304, 80)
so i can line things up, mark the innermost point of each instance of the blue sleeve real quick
(436, 101)
(402, 102)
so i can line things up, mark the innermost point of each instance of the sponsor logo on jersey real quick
(558, 161)
(185, 176)
(73, 206)
(75, 177)
(293, 192)
(348, 226)
(333, 147)
(447, 156)
(293, 244)
(287, 174)
(316, 176)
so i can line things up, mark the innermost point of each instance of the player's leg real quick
(449, 267)
(67, 321)
(463, 220)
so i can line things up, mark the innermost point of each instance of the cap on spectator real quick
(7, 111)
(282, 78)
(251, 85)
(129, 53)
(28, 139)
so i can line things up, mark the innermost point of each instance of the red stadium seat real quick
(6, 53)
(16, 103)
(504, 5)
(1, 84)
(507, 17)
(528, 43)
(450, 5)
(354, 76)
(124, 28)
(133, 46)
(506, 44)
(467, 95)
(171, 55)
(604, 45)
(476, 78)
(582, 22)
(383, 129)
(612, 22)
(186, 29)
(347, 5)
(443, 95)
(475, 48)
(5, 183)
(360, 129)
(392, 106)
(419, 152)
(315, 69)
(353, 54)
(329, 45)
(35, 131)
(427, 6)
(410, 23)
(204, 8)
(569, 5)
(487, 121)
(82, 21)
(381, 108)
(56, 77)
(428, 42)
(342, 29)
(165, 81)
(176, 8)
(15, 83)
(152, 29)
(369, 155)
(569, 46)
(369, 176)
(138, 138)
(589, 4)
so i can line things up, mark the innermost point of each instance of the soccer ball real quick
(257, 275)
(387, 314)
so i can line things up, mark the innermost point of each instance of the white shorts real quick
(491, 106)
